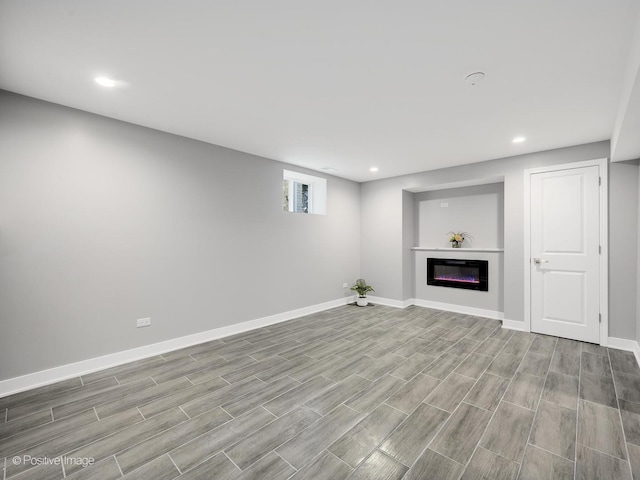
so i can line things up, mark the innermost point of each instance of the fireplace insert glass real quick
(455, 273)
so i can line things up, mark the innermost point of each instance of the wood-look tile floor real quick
(358, 393)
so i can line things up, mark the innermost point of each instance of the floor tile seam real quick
(470, 378)
(603, 453)
(128, 446)
(298, 405)
(484, 355)
(285, 460)
(219, 450)
(186, 414)
(449, 419)
(25, 430)
(599, 404)
(64, 470)
(174, 463)
(463, 465)
(105, 436)
(398, 410)
(377, 449)
(157, 434)
(624, 373)
(533, 420)
(481, 408)
(507, 459)
(551, 453)
(222, 408)
(435, 435)
(624, 433)
(39, 406)
(377, 446)
(516, 405)
(493, 414)
(61, 434)
(97, 417)
(213, 392)
(560, 373)
(335, 456)
(107, 402)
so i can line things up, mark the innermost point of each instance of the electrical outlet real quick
(143, 322)
(444, 204)
(345, 285)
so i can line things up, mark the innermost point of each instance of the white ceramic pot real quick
(362, 302)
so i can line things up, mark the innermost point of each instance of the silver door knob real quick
(538, 261)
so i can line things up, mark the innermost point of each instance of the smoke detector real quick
(474, 78)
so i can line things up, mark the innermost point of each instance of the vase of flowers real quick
(457, 238)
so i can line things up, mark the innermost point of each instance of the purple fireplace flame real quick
(456, 278)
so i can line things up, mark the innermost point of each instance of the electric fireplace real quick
(449, 272)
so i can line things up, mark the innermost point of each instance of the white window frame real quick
(317, 193)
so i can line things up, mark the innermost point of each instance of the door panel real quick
(565, 253)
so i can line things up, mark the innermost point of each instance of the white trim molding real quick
(514, 325)
(625, 344)
(450, 307)
(84, 367)
(389, 302)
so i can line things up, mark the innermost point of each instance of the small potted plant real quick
(457, 238)
(362, 288)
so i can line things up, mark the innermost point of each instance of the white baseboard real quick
(84, 367)
(513, 325)
(45, 377)
(625, 344)
(478, 312)
(389, 302)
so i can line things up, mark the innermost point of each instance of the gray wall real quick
(637, 337)
(382, 207)
(478, 210)
(409, 235)
(623, 248)
(103, 222)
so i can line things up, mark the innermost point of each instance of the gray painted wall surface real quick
(103, 222)
(478, 210)
(623, 248)
(409, 234)
(382, 207)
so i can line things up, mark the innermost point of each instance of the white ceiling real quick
(343, 84)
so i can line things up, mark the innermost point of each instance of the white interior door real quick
(565, 245)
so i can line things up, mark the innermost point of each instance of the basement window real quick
(302, 193)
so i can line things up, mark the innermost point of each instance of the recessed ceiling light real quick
(474, 78)
(106, 82)
(329, 169)
(373, 169)
(518, 140)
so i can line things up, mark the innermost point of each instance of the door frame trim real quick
(603, 164)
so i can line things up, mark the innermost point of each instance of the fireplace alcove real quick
(477, 209)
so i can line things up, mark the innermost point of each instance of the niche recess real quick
(478, 210)
(473, 207)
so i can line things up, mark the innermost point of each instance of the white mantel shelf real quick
(450, 249)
